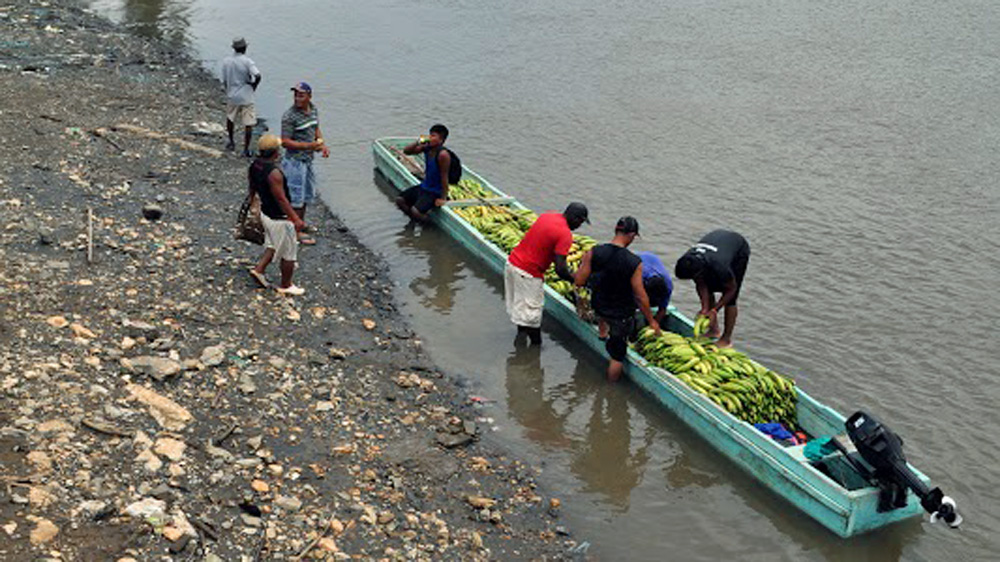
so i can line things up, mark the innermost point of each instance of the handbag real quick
(249, 227)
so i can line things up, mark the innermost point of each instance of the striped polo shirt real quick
(300, 126)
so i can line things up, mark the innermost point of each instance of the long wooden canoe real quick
(847, 506)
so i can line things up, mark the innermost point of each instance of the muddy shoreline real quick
(156, 404)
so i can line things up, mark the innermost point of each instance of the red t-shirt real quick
(549, 237)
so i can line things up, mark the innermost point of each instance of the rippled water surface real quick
(853, 143)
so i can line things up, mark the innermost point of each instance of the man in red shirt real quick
(548, 240)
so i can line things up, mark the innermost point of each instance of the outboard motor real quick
(883, 451)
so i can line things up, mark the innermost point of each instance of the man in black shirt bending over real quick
(616, 282)
(717, 264)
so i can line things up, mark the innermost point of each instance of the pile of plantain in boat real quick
(468, 188)
(742, 386)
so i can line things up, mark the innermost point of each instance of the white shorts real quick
(525, 296)
(244, 115)
(279, 235)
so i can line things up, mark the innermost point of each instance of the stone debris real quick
(169, 414)
(156, 403)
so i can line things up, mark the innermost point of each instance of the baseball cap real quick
(268, 142)
(577, 210)
(303, 87)
(239, 43)
(627, 225)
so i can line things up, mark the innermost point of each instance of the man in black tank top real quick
(717, 264)
(616, 281)
(281, 222)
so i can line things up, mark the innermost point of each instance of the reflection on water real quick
(602, 457)
(438, 287)
(167, 20)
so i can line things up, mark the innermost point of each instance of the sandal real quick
(259, 278)
(291, 290)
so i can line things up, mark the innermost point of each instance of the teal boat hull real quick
(784, 470)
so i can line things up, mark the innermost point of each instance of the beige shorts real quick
(279, 235)
(525, 296)
(244, 115)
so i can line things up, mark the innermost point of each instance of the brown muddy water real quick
(853, 144)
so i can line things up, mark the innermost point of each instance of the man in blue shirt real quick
(418, 201)
(659, 286)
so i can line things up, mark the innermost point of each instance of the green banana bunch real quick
(701, 325)
(744, 387)
(468, 188)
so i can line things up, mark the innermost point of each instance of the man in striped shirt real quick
(301, 137)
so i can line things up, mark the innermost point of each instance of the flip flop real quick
(259, 278)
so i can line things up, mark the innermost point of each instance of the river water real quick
(853, 143)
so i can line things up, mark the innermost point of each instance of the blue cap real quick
(303, 87)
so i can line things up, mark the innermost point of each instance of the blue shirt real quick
(652, 267)
(432, 172)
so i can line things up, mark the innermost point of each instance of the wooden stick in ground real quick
(315, 541)
(90, 235)
(144, 132)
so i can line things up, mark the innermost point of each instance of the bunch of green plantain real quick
(468, 188)
(701, 325)
(744, 387)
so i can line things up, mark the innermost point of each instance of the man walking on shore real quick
(549, 239)
(301, 137)
(717, 264)
(280, 220)
(616, 289)
(240, 78)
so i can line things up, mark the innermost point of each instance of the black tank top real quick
(612, 268)
(259, 171)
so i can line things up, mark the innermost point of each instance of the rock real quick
(278, 363)
(150, 461)
(157, 367)
(136, 329)
(554, 503)
(369, 324)
(180, 544)
(327, 544)
(152, 211)
(81, 332)
(40, 461)
(288, 503)
(452, 440)
(57, 321)
(260, 486)
(250, 520)
(91, 508)
(173, 449)
(44, 530)
(55, 426)
(480, 502)
(166, 412)
(192, 365)
(338, 354)
(246, 384)
(213, 356)
(10, 528)
(149, 509)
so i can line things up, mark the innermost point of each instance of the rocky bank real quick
(154, 403)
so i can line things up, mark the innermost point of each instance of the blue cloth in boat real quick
(776, 431)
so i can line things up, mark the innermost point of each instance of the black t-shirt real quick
(612, 268)
(259, 172)
(720, 248)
